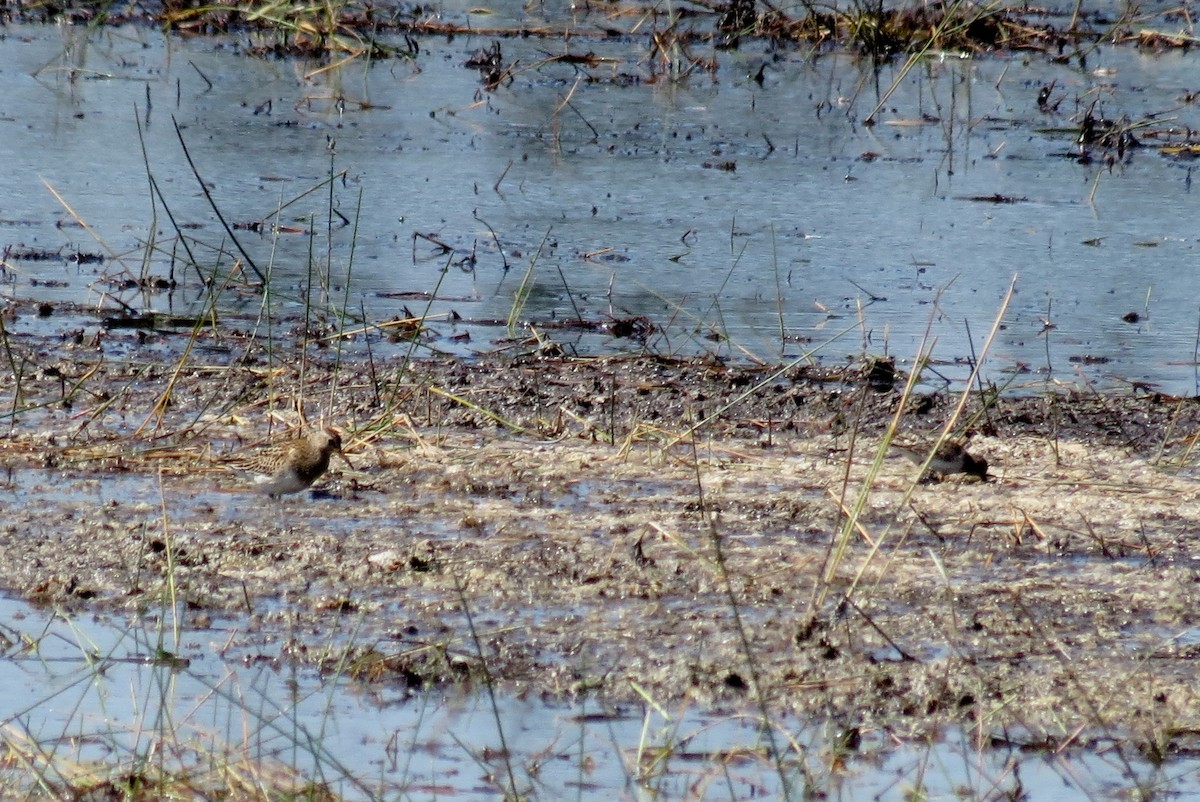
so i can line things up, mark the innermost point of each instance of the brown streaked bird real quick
(292, 465)
(950, 458)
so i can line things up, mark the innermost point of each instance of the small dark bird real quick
(950, 458)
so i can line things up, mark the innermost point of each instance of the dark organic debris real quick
(996, 198)
(604, 255)
(402, 328)
(46, 255)
(736, 18)
(151, 321)
(1107, 134)
(636, 327)
(31, 254)
(881, 374)
(1043, 98)
(407, 295)
(588, 59)
(490, 63)
(145, 283)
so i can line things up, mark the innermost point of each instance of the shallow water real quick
(612, 202)
(89, 689)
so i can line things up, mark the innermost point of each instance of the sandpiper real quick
(950, 458)
(291, 465)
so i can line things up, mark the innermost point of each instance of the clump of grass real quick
(853, 512)
(332, 28)
(521, 296)
(180, 771)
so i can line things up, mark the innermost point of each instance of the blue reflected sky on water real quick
(86, 690)
(824, 228)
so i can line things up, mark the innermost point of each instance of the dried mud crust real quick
(1061, 594)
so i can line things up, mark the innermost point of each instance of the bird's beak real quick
(346, 459)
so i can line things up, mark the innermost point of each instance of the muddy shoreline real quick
(600, 547)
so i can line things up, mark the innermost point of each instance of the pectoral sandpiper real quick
(950, 458)
(290, 466)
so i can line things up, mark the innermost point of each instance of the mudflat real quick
(616, 526)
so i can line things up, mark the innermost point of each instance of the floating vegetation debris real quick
(351, 28)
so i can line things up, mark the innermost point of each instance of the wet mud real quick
(637, 524)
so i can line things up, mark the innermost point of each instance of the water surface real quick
(751, 220)
(122, 691)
